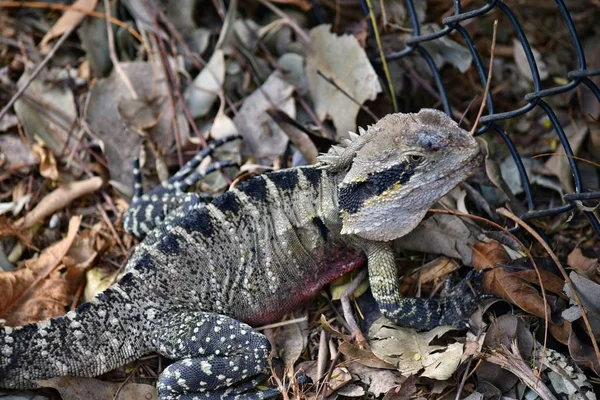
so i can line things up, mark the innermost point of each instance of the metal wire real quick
(491, 121)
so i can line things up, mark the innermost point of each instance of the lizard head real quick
(398, 168)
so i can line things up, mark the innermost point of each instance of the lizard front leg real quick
(149, 210)
(418, 313)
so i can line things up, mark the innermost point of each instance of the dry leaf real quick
(48, 167)
(411, 351)
(488, 255)
(587, 267)
(523, 65)
(69, 19)
(75, 387)
(512, 361)
(589, 296)
(442, 234)
(291, 339)
(378, 381)
(502, 332)
(203, 92)
(300, 139)
(59, 199)
(39, 291)
(504, 284)
(263, 139)
(558, 164)
(303, 5)
(341, 59)
(363, 356)
(53, 126)
(119, 144)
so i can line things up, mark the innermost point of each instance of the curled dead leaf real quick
(66, 21)
(488, 255)
(48, 167)
(39, 290)
(59, 199)
(587, 267)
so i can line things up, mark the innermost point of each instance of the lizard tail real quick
(98, 336)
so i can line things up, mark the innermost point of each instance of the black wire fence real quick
(492, 121)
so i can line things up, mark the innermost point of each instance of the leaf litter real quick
(266, 70)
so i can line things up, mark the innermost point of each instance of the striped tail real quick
(98, 336)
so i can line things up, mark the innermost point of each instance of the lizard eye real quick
(415, 158)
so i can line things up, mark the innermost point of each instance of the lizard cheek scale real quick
(204, 274)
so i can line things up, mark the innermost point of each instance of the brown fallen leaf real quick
(587, 267)
(516, 288)
(8, 229)
(66, 21)
(363, 356)
(405, 391)
(433, 271)
(59, 199)
(303, 5)
(504, 284)
(302, 141)
(583, 353)
(488, 255)
(39, 290)
(73, 388)
(48, 167)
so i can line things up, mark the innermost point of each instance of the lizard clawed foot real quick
(462, 299)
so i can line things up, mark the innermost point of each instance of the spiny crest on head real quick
(339, 157)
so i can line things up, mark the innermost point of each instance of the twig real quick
(425, 85)
(489, 80)
(568, 156)
(110, 225)
(328, 376)
(68, 7)
(170, 78)
(384, 64)
(282, 323)
(532, 232)
(37, 70)
(349, 96)
(348, 316)
(299, 31)
(113, 53)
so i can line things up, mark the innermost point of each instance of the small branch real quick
(113, 54)
(346, 307)
(37, 70)
(362, 107)
(489, 80)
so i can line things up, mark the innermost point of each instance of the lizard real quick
(204, 274)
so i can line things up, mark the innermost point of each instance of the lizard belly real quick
(328, 264)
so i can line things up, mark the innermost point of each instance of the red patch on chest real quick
(332, 263)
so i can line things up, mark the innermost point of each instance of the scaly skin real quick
(255, 253)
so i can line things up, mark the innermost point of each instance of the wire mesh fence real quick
(493, 121)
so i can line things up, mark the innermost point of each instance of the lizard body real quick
(204, 273)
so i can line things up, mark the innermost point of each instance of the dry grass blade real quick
(489, 80)
(384, 64)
